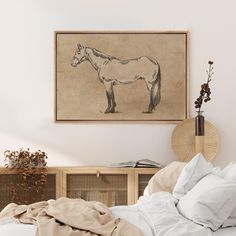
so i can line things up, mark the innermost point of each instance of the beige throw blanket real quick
(70, 217)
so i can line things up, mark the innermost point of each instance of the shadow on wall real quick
(74, 144)
(29, 123)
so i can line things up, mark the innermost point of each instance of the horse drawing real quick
(113, 71)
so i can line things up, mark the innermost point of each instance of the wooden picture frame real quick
(121, 76)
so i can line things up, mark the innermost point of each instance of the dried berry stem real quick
(205, 91)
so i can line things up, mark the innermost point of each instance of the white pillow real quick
(229, 173)
(196, 169)
(210, 201)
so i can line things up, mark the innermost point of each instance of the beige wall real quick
(27, 76)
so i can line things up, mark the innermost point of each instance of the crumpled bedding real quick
(157, 215)
(70, 217)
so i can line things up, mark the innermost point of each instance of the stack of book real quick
(143, 163)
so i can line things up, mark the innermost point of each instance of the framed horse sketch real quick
(121, 76)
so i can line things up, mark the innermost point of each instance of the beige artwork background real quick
(81, 96)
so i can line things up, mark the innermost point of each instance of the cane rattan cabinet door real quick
(142, 176)
(10, 190)
(109, 186)
(112, 186)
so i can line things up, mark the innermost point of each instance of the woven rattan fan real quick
(183, 140)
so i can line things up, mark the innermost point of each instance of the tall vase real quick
(199, 132)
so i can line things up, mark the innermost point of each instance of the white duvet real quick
(156, 215)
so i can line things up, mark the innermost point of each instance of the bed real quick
(30, 230)
(155, 215)
(200, 202)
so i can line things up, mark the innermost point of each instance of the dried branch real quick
(205, 91)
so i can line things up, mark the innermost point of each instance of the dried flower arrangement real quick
(31, 171)
(205, 91)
